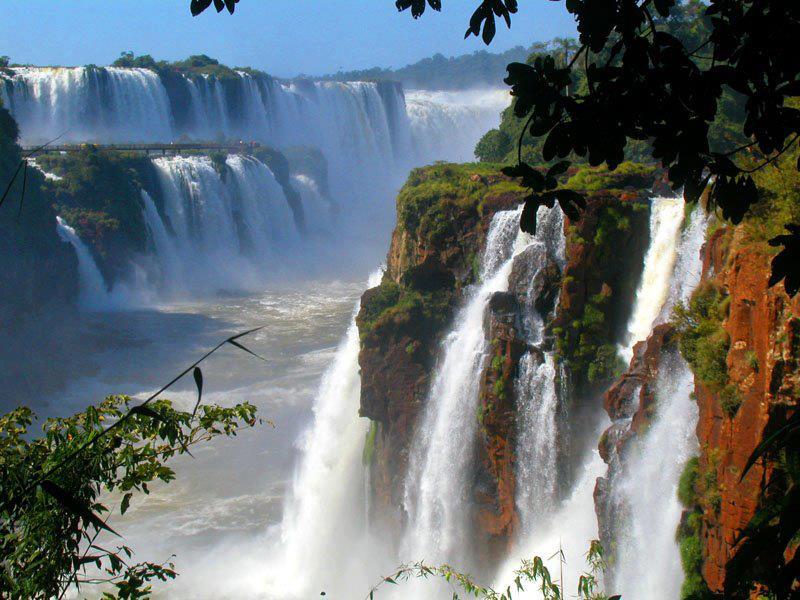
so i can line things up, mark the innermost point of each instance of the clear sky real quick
(282, 37)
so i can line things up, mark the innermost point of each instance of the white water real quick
(370, 133)
(105, 105)
(229, 232)
(437, 497)
(666, 216)
(648, 563)
(363, 124)
(450, 123)
(570, 528)
(93, 294)
(323, 515)
(537, 431)
(536, 466)
(645, 491)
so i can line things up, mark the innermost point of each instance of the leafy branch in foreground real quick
(532, 572)
(48, 537)
(54, 488)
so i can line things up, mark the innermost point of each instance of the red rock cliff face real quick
(403, 320)
(399, 349)
(763, 363)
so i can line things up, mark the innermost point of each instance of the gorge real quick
(485, 397)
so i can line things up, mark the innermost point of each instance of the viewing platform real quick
(147, 149)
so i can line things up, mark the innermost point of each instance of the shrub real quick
(687, 493)
(704, 343)
(494, 146)
(369, 444)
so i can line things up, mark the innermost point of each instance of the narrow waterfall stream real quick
(437, 497)
(645, 490)
(666, 216)
(94, 294)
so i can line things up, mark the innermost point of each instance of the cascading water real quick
(365, 124)
(644, 482)
(93, 292)
(449, 124)
(321, 516)
(219, 230)
(105, 105)
(437, 494)
(230, 232)
(666, 215)
(648, 560)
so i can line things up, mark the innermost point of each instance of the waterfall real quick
(88, 104)
(318, 210)
(93, 293)
(361, 127)
(666, 216)
(647, 552)
(536, 455)
(322, 517)
(644, 482)
(537, 427)
(447, 125)
(227, 229)
(437, 495)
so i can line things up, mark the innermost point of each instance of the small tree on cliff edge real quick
(646, 83)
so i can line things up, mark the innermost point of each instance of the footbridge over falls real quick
(162, 148)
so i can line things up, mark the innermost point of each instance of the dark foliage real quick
(647, 83)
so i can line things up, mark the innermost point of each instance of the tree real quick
(647, 83)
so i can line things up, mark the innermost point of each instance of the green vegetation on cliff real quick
(100, 196)
(704, 343)
(431, 194)
(605, 253)
(694, 586)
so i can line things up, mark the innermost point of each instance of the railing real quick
(173, 148)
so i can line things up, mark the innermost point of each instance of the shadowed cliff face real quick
(763, 365)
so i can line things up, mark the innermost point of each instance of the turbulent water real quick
(232, 231)
(666, 215)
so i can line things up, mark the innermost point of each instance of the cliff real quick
(758, 391)
(444, 212)
(739, 337)
(39, 270)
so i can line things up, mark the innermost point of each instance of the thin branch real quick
(71, 456)
(773, 158)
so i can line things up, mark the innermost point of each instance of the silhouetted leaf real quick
(126, 501)
(734, 196)
(558, 168)
(531, 178)
(786, 264)
(74, 506)
(145, 411)
(238, 345)
(198, 6)
(773, 441)
(198, 381)
(571, 202)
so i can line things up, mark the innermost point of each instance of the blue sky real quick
(282, 37)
